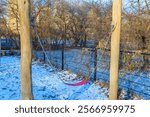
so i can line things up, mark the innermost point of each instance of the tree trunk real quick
(26, 48)
(115, 49)
(139, 8)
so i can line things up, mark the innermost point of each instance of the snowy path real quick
(46, 83)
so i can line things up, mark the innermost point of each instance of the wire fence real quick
(82, 62)
(132, 78)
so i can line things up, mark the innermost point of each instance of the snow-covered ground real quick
(46, 83)
(81, 61)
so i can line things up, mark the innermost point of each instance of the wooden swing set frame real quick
(26, 49)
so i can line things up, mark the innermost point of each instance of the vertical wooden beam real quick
(115, 49)
(26, 48)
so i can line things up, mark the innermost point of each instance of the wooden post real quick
(115, 49)
(26, 48)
